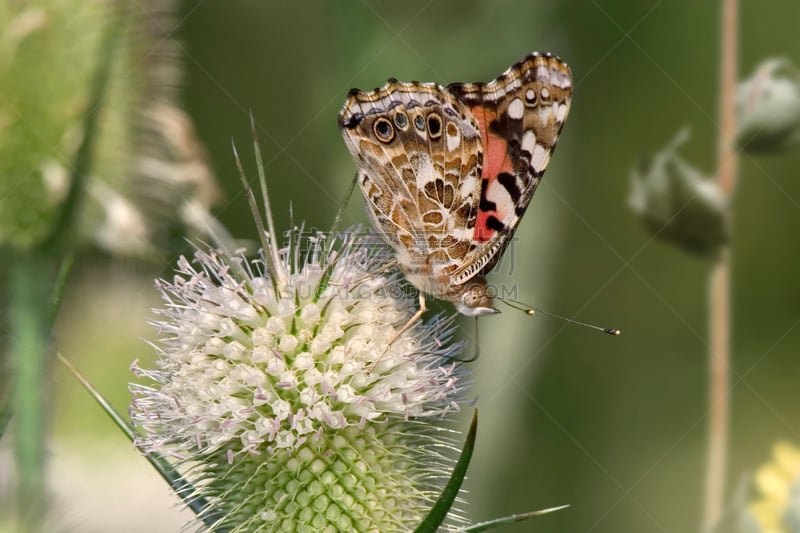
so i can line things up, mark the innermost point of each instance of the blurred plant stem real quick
(29, 277)
(719, 283)
(33, 274)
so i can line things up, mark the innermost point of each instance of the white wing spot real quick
(453, 141)
(564, 80)
(545, 93)
(499, 195)
(530, 95)
(426, 172)
(561, 112)
(529, 141)
(540, 158)
(516, 109)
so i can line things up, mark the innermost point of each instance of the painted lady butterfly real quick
(447, 172)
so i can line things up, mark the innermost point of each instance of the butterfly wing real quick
(447, 173)
(419, 156)
(520, 115)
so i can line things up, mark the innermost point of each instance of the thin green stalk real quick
(64, 226)
(32, 305)
(179, 484)
(29, 320)
(719, 307)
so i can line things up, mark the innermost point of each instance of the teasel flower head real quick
(289, 395)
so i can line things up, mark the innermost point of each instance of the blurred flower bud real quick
(777, 510)
(736, 516)
(768, 107)
(145, 159)
(677, 203)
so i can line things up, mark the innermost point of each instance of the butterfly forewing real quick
(520, 114)
(421, 177)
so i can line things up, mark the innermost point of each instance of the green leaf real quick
(64, 269)
(442, 506)
(29, 326)
(506, 520)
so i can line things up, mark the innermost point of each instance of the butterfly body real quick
(448, 171)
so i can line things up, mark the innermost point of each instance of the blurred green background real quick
(615, 427)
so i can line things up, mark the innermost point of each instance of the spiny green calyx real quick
(354, 480)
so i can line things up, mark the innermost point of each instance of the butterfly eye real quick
(383, 129)
(401, 120)
(435, 125)
(419, 123)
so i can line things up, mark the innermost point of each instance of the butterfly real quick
(448, 171)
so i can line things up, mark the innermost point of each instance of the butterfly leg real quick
(477, 349)
(406, 327)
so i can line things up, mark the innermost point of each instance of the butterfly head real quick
(474, 299)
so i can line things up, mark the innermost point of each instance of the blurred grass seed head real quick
(146, 158)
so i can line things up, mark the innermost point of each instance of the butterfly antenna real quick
(530, 311)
